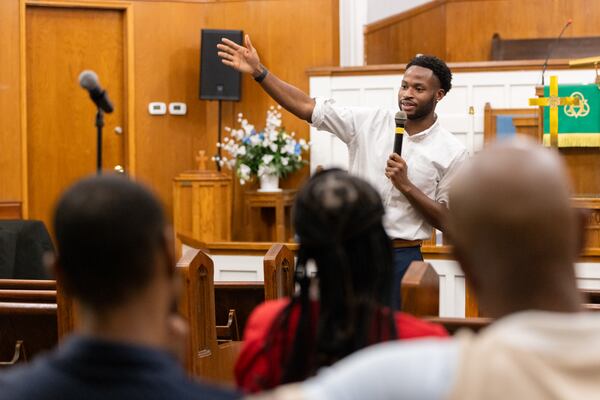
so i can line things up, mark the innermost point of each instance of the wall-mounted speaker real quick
(217, 80)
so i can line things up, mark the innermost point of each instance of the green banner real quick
(578, 126)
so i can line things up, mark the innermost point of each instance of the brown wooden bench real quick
(421, 290)
(279, 266)
(33, 316)
(206, 357)
(10, 210)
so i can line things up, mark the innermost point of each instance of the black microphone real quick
(551, 48)
(89, 81)
(400, 119)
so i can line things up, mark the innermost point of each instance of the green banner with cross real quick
(578, 125)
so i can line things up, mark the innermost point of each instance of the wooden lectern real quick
(202, 201)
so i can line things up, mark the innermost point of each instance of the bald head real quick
(511, 219)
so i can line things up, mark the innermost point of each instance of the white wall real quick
(380, 9)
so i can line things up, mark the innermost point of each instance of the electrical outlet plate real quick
(157, 108)
(177, 108)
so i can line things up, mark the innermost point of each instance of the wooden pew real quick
(279, 265)
(453, 325)
(28, 323)
(206, 357)
(33, 317)
(10, 210)
(421, 290)
(244, 296)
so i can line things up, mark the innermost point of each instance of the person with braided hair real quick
(345, 305)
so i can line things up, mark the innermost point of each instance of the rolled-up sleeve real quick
(340, 121)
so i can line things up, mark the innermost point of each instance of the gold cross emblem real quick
(554, 101)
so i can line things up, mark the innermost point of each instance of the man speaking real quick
(414, 185)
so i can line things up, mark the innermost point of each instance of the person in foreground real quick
(115, 258)
(338, 220)
(413, 185)
(516, 237)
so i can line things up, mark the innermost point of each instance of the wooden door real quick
(61, 135)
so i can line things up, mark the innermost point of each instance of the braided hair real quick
(338, 219)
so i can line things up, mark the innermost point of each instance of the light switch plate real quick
(177, 108)
(157, 108)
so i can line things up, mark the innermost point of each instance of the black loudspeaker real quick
(217, 80)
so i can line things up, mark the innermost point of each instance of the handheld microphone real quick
(89, 81)
(400, 119)
(551, 48)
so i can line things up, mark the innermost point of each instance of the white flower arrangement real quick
(272, 151)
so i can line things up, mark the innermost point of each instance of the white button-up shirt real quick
(432, 157)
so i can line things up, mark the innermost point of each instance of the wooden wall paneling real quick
(467, 27)
(167, 69)
(166, 37)
(10, 100)
(475, 22)
(400, 41)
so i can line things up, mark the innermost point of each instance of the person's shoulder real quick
(410, 326)
(16, 382)
(262, 317)
(201, 390)
(269, 309)
(450, 140)
(420, 369)
(362, 110)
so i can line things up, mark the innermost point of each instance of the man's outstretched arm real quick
(245, 59)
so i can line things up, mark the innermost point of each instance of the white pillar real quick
(353, 18)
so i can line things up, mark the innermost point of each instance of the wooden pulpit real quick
(202, 201)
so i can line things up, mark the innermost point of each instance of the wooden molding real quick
(477, 66)
(129, 70)
(23, 90)
(114, 5)
(384, 23)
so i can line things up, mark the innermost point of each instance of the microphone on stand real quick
(89, 81)
(551, 48)
(400, 119)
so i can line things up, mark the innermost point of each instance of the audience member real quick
(115, 257)
(339, 223)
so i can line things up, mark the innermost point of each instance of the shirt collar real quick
(423, 134)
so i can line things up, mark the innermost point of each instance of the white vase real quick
(269, 183)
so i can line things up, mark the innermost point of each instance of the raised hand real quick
(244, 59)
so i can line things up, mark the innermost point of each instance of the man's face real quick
(419, 92)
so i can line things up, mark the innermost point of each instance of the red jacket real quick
(257, 369)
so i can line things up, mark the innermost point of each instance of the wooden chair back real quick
(206, 357)
(526, 121)
(279, 266)
(421, 290)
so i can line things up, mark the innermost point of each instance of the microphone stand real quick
(99, 126)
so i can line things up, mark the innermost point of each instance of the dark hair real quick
(439, 68)
(108, 231)
(338, 219)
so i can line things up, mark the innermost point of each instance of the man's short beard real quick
(423, 111)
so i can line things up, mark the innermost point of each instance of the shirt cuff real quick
(318, 114)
